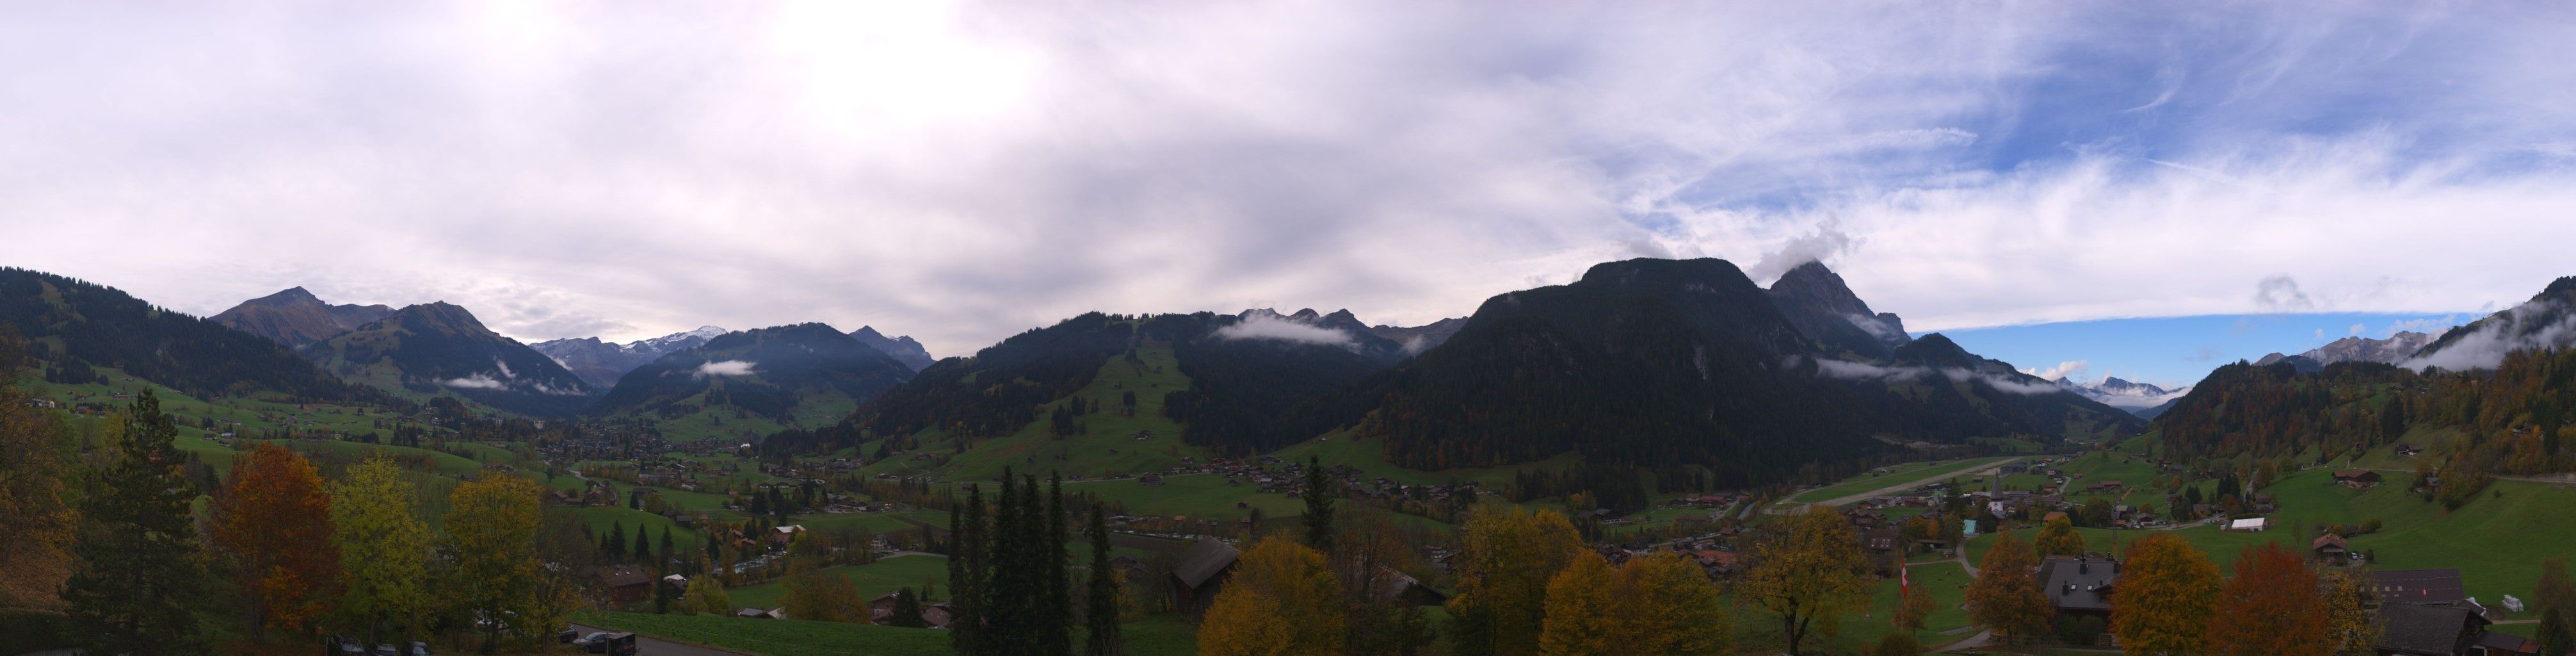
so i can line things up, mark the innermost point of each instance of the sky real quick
(960, 172)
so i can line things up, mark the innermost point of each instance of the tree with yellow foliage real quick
(384, 550)
(1668, 606)
(1808, 571)
(2348, 624)
(1582, 610)
(2006, 597)
(2057, 537)
(824, 596)
(706, 594)
(1503, 572)
(492, 527)
(2167, 592)
(1244, 623)
(1295, 584)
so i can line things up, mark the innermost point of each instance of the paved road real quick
(651, 647)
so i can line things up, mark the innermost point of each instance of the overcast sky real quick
(963, 172)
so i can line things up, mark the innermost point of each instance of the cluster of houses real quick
(2421, 612)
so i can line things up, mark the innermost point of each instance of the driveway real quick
(651, 647)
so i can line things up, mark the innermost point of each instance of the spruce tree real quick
(966, 576)
(1100, 612)
(1055, 616)
(145, 571)
(1006, 612)
(617, 540)
(665, 551)
(643, 547)
(1319, 506)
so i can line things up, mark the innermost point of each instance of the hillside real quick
(601, 363)
(804, 374)
(296, 319)
(1688, 364)
(434, 348)
(2546, 322)
(903, 349)
(77, 327)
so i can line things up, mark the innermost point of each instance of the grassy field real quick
(1369, 457)
(1900, 474)
(1160, 635)
(872, 579)
(1946, 582)
(1198, 496)
(2497, 541)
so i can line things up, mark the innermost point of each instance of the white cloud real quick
(962, 171)
(476, 381)
(2061, 371)
(2526, 327)
(1266, 326)
(2358, 329)
(725, 368)
(1865, 371)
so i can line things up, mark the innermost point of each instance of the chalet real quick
(1201, 572)
(2079, 585)
(2053, 515)
(2404, 449)
(2329, 548)
(1715, 563)
(2415, 630)
(2418, 586)
(623, 584)
(937, 615)
(2357, 478)
(1880, 539)
(1408, 591)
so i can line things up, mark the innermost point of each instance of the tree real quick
(2349, 628)
(1668, 607)
(384, 550)
(1503, 572)
(492, 527)
(2168, 590)
(1319, 506)
(1898, 643)
(1243, 623)
(1808, 571)
(907, 611)
(1100, 611)
(1581, 610)
(706, 595)
(2057, 537)
(2555, 596)
(274, 524)
(1301, 584)
(34, 465)
(823, 596)
(145, 573)
(2271, 607)
(966, 575)
(2006, 597)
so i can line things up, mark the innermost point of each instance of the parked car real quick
(342, 645)
(567, 636)
(612, 644)
(415, 648)
(587, 642)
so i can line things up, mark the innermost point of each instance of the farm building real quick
(2246, 525)
(1201, 572)
(2357, 478)
(2079, 585)
(2418, 586)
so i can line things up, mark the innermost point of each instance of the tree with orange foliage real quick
(2165, 597)
(2006, 597)
(2271, 607)
(274, 526)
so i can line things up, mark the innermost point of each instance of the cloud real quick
(2428, 325)
(2527, 327)
(476, 381)
(1828, 240)
(1273, 327)
(725, 368)
(2061, 371)
(2358, 329)
(576, 169)
(2279, 293)
(1864, 371)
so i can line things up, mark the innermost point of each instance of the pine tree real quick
(1055, 617)
(665, 552)
(616, 546)
(1100, 613)
(146, 572)
(1319, 506)
(643, 547)
(1006, 615)
(907, 610)
(966, 576)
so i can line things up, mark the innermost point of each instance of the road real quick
(650, 647)
(1789, 507)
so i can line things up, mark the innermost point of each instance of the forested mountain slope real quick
(75, 325)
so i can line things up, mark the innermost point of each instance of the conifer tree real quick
(907, 610)
(1006, 615)
(1319, 506)
(966, 576)
(1055, 617)
(145, 571)
(643, 547)
(1100, 612)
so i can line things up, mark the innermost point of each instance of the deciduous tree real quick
(1808, 571)
(1503, 572)
(1242, 623)
(36, 556)
(492, 539)
(2349, 628)
(2057, 537)
(2006, 597)
(274, 524)
(823, 596)
(1303, 586)
(706, 595)
(1582, 610)
(384, 550)
(2166, 594)
(2555, 597)
(1667, 606)
(2272, 607)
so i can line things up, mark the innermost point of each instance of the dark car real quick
(415, 648)
(341, 645)
(567, 636)
(612, 644)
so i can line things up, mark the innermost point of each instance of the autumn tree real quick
(2006, 597)
(1300, 587)
(823, 597)
(2270, 608)
(274, 524)
(145, 572)
(706, 595)
(1243, 623)
(492, 527)
(1581, 610)
(2057, 537)
(1808, 571)
(1667, 606)
(384, 550)
(2349, 627)
(2168, 591)
(35, 446)
(1503, 572)
(2555, 598)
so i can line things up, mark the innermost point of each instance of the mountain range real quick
(297, 319)
(2145, 400)
(2393, 349)
(780, 374)
(438, 347)
(600, 363)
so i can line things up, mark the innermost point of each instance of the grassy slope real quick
(1110, 430)
(1901, 474)
(872, 579)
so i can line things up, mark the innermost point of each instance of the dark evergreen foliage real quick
(101, 326)
(1101, 634)
(145, 568)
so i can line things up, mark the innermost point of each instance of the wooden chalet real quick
(1201, 573)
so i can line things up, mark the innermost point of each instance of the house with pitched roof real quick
(1201, 573)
